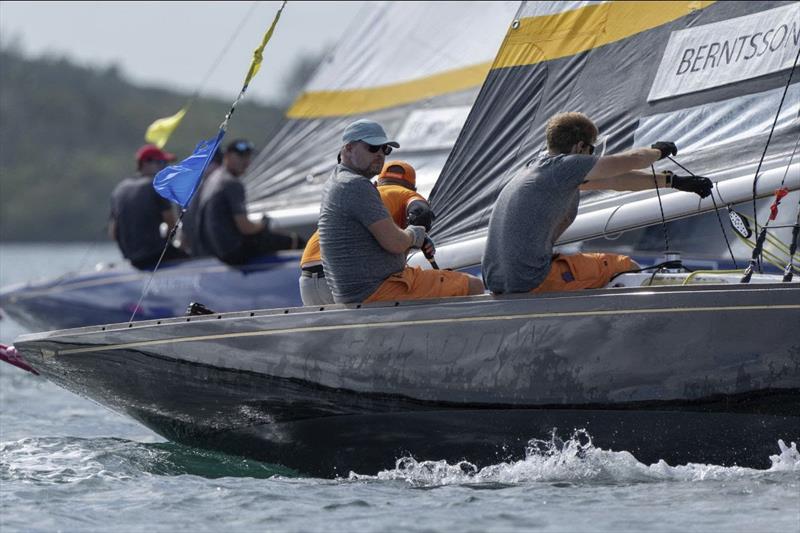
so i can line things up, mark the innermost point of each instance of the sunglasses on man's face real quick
(374, 149)
(158, 161)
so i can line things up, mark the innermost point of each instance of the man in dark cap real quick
(191, 240)
(224, 229)
(137, 212)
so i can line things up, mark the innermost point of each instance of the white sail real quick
(416, 67)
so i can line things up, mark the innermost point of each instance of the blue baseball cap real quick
(367, 131)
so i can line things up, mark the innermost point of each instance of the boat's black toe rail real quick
(598, 296)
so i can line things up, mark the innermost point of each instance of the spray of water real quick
(575, 460)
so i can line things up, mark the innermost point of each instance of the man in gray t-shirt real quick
(363, 250)
(541, 201)
(224, 229)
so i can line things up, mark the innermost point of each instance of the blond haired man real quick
(541, 201)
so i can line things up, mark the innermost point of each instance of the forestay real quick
(415, 67)
(708, 76)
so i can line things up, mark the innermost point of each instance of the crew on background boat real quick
(190, 227)
(137, 212)
(363, 250)
(397, 185)
(541, 201)
(225, 231)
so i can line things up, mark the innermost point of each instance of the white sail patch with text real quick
(727, 52)
(430, 129)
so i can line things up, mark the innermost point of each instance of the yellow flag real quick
(159, 131)
(258, 54)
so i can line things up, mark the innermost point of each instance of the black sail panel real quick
(642, 72)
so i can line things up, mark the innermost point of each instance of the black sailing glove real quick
(697, 184)
(666, 148)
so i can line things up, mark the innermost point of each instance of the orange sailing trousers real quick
(584, 271)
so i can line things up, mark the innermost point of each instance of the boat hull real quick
(685, 374)
(111, 294)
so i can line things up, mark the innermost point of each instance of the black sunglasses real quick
(374, 149)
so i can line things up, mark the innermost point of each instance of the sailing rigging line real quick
(196, 94)
(225, 48)
(189, 103)
(658, 267)
(661, 207)
(758, 250)
(255, 65)
(167, 244)
(716, 210)
(769, 139)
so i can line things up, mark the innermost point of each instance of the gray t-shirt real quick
(354, 261)
(221, 198)
(531, 213)
(136, 207)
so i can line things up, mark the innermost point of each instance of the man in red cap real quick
(137, 212)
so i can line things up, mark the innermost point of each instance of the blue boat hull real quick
(108, 296)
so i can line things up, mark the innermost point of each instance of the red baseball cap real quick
(154, 153)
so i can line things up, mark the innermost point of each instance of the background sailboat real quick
(416, 66)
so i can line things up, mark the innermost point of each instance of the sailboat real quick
(420, 84)
(675, 366)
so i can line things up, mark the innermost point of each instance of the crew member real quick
(137, 212)
(191, 239)
(363, 249)
(225, 230)
(541, 201)
(397, 186)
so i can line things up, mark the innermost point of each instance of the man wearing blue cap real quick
(363, 250)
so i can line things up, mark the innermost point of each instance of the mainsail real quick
(416, 67)
(706, 75)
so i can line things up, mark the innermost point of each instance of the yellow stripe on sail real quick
(159, 131)
(354, 101)
(549, 37)
(536, 39)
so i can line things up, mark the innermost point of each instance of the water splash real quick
(575, 460)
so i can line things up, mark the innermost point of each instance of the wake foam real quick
(72, 459)
(576, 460)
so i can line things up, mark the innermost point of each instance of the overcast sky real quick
(174, 44)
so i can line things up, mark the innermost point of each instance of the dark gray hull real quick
(685, 374)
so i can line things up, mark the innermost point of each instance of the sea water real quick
(67, 464)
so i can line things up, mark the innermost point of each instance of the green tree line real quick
(68, 135)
